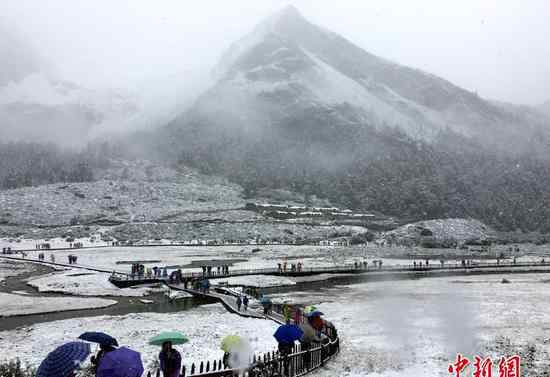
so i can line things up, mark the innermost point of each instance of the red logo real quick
(507, 367)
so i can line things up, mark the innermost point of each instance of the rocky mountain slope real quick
(145, 201)
(441, 232)
(299, 107)
(292, 80)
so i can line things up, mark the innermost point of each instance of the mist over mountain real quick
(298, 106)
(37, 104)
(545, 107)
(18, 58)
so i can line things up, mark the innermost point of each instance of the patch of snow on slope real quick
(83, 283)
(12, 304)
(332, 86)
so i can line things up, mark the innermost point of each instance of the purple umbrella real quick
(122, 362)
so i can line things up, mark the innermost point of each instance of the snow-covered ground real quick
(205, 326)
(416, 327)
(121, 258)
(83, 283)
(256, 281)
(15, 304)
(392, 328)
(55, 243)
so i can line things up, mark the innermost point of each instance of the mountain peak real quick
(289, 12)
(286, 20)
(286, 23)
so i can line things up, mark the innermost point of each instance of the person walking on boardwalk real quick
(170, 360)
(287, 312)
(239, 302)
(297, 316)
(286, 336)
(96, 359)
(245, 303)
(311, 334)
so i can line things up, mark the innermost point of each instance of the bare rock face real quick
(441, 231)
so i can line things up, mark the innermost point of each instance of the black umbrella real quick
(100, 338)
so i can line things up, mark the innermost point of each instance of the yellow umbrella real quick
(230, 342)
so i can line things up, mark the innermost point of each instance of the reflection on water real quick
(125, 306)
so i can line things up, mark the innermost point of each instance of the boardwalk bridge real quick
(123, 280)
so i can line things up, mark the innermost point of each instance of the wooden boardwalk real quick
(399, 271)
(227, 300)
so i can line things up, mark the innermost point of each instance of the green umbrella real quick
(309, 309)
(169, 336)
(230, 342)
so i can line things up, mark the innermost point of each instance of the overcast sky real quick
(499, 48)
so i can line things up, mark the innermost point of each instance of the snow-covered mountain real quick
(292, 79)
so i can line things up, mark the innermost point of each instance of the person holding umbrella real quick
(121, 362)
(266, 303)
(237, 352)
(106, 344)
(286, 312)
(64, 360)
(96, 359)
(170, 358)
(285, 336)
(310, 333)
(297, 316)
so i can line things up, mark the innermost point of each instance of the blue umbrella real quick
(288, 334)
(315, 313)
(99, 337)
(122, 362)
(62, 361)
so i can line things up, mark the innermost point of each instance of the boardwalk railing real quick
(271, 364)
(332, 269)
(297, 363)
